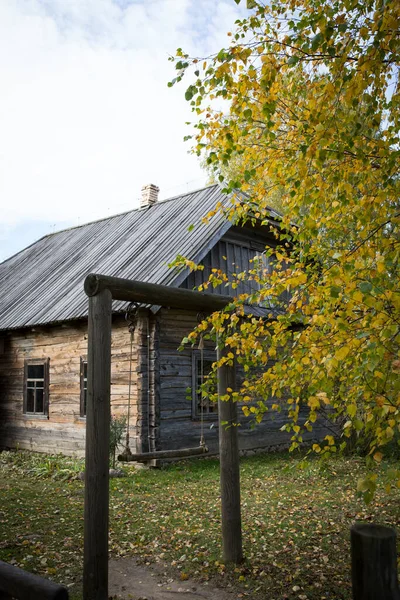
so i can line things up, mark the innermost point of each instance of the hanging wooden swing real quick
(132, 317)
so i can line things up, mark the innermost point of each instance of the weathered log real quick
(374, 562)
(19, 584)
(181, 453)
(229, 465)
(152, 293)
(95, 562)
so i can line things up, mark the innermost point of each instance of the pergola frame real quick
(102, 290)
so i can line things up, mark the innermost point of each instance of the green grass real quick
(296, 521)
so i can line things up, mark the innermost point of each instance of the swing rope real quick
(201, 348)
(201, 317)
(131, 316)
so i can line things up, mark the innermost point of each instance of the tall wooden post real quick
(374, 562)
(95, 566)
(229, 466)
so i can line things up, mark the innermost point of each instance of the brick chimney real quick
(149, 195)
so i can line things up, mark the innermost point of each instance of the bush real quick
(117, 428)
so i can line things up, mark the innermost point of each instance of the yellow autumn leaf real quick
(342, 352)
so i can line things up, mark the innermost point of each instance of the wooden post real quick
(229, 466)
(95, 566)
(101, 290)
(374, 562)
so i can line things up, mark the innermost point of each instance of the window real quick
(202, 405)
(83, 387)
(36, 387)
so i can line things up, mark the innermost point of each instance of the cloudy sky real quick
(86, 117)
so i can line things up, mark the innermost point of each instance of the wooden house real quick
(43, 328)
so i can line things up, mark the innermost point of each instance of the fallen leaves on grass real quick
(295, 523)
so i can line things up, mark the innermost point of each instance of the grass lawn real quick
(295, 521)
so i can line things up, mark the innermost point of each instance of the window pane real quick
(212, 407)
(207, 368)
(39, 400)
(84, 401)
(204, 405)
(85, 370)
(30, 403)
(35, 371)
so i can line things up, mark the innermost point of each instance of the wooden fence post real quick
(374, 562)
(229, 466)
(95, 564)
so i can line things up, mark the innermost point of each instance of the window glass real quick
(39, 400)
(35, 389)
(30, 400)
(35, 371)
(203, 405)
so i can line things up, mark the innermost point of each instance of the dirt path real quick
(130, 581)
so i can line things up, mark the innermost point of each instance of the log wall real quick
(177, 427)
(64, 429)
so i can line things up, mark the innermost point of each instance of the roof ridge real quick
(137, 209)
(126, 212)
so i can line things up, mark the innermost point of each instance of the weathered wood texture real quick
(177, 428)
(95, 557)
(145, 293)
(233, 254)
(161, 411)
(64, 430)
(229, 465)
(163, 454)
(374, 562)
(19, 584)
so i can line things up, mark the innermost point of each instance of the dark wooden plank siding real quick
(177, 428)
(233, 254)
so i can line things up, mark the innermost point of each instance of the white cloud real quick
(86, 117)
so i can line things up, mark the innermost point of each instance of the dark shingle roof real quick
(44, 283)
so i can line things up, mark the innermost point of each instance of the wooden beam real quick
(95, 564)
(145, 456)
(374, 562)
(152, 293)
(17, 583)
(229, 465)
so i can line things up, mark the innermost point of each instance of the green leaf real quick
(190, 92)
(335, 291)
(365, 287)
(316, 41)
